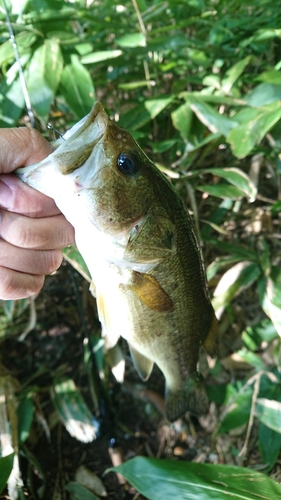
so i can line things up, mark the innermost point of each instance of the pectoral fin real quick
(149, 291)
(142, 364)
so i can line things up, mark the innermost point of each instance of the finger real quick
(39, 262)
(22, 199)
(20, 147)
(15, 285)
(25, 232)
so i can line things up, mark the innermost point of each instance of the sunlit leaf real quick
(221, 190)
(73, 411)
(131, 40)
(268, 412)
(236, 177)
(216, 122)
(244, 137)
(103, 55)
(234, 73)
(236, 279)
(159, 479)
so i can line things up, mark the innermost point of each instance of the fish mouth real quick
(74, 150)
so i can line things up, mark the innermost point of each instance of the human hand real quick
(32, 229)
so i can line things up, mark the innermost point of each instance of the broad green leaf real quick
(144, 113)
(99, 56)
(238, 411)
(182, 118)
(136, 85)
(25, 417)
(6, 465)
(234, 73)
(243, 138)
(212, 119)
(222, 190)
(245, 253)
(44, 75)
(251, 358)
(77, 87)
(159, 479)
(263, 94)
(269, 445)
(271, 76)
(269, 289)
(73, 411)
(233, 282)
(236, 177)
(131, 40)
(263, 331)
(78, 491)
(268, 412)
(11, 100)
(24, 41)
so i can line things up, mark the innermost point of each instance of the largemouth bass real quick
(138, 241)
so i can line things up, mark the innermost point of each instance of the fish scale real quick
(138, 241)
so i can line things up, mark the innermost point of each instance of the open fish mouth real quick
(73, 150)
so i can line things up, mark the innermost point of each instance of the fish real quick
(138, 240)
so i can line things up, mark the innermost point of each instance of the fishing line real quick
(21, 75)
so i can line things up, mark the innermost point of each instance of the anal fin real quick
(191, 397)
(142, 364)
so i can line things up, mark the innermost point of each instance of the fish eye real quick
(128, 164)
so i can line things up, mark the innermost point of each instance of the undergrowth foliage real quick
(198, 84)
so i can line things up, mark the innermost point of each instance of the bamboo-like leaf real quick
(159, 479)
(77, 87)
(99, 56)
(44, 75)
(268, 412)
(269, 289)
(73, 411)
(237, 178)
(6, 465)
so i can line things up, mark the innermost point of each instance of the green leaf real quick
(11, 100)
(269, 445)
(145, 112)
(268, 412)
(131, 40)
(212, 119)
(263, 331)
(271, 76)
(73, 411)
(244, 137)
(44, 75)
(221, 191)
(77, 87)
(159, 479)
(233, 282)
(236, 177)
(6, 465)
(24, 41)
(233, 73)
(263, 94)
(269, 289)
(25, 417)
(99, 56)
(182, 118)
(238, 411)
(78, 491)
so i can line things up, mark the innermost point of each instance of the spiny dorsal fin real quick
(142, 364)
(149, 291)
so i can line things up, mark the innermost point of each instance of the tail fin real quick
(191, 397)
